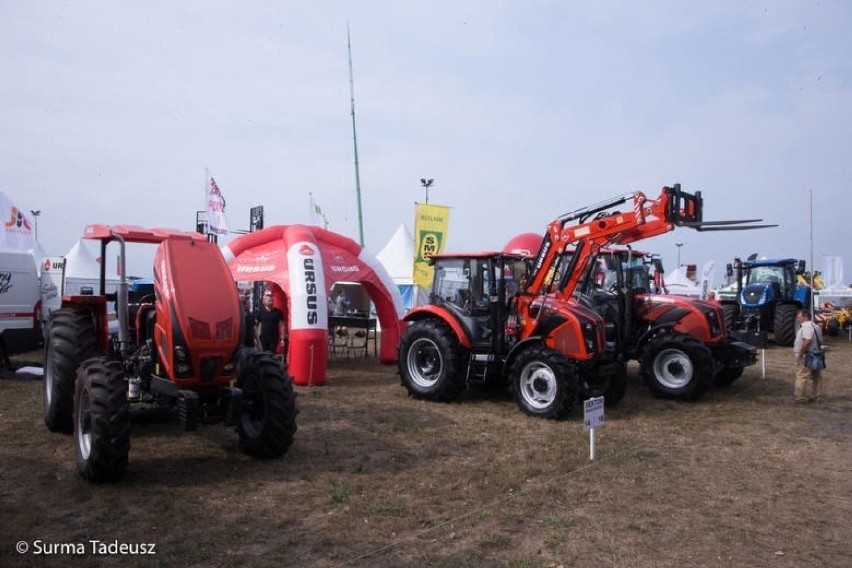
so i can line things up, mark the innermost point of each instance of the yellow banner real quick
(430, 234)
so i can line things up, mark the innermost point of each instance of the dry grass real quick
(375, 478)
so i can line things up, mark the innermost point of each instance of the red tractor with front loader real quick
(681, 343)
(177, 350)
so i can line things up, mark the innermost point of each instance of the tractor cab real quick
(477, 291)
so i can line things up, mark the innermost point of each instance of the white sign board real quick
(593, 413)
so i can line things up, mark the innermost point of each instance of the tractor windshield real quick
(766, 274)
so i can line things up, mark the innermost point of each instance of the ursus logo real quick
(306, 250)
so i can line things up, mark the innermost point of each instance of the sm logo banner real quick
(430, 234)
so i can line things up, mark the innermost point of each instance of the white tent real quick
(83, 269)
(397, 257)
(677, 283)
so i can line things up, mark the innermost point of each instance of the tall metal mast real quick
(355, 141)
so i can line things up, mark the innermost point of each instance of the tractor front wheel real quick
(70, 340)
(267, 420)
(101, 420)
(727, 376)
(610, 383)
(430, 361)
(785, 324)
(544, 383)
(675, 365)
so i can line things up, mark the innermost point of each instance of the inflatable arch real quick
(304, 262)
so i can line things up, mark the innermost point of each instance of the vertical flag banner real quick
(16, 230)
(217, 223)
(430, 235)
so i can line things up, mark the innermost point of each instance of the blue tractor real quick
(768, 297)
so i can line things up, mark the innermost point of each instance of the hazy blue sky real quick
(520, 111)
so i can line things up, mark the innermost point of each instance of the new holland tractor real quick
(768, 297)
(177, 351)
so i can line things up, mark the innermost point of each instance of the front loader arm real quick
(609, 226)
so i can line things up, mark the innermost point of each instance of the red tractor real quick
(681, 343)
(486, 326)
(178, 350)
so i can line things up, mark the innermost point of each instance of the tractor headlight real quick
(713, 323)
(589, 336)
(180, 354)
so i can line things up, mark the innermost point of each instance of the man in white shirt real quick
(808, 338)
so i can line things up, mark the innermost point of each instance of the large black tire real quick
(675, 365)
(101, 420)
(70, 341)
(727, 376)
(431, 361)
(785, 324)
(730, 315)
(612, 385)
(544, 383)
(267, 420)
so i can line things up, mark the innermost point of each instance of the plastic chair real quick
(338, 342)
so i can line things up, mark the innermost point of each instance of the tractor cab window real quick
(766, 274)
(461, 282)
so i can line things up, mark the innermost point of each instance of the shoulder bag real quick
(815, 360)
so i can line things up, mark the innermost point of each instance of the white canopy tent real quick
(677, 283)
(83, 269)
(397, 257)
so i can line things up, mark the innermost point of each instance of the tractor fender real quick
(652, 331)
(444, 315)
(520, 347)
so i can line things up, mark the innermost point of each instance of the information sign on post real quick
(593, 413)
(593, 417)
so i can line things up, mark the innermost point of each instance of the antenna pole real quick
(355, 141)
(811, 223)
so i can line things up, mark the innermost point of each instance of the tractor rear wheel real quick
(544, 383)
(430, 362)
(267, 420)
(101, 420)
(70, 340)
(785, 324)
(675, 365)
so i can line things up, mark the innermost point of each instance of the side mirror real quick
(800, 266)
(729, 270)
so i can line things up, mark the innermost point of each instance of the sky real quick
(115, 112)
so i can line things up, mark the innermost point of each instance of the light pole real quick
(427, 183)
(35, 214)
(678, 245)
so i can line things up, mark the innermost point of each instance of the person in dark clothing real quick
(250, 323)
(270, 325)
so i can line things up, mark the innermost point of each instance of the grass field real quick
(744, 477)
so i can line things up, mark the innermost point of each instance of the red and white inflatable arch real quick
(304, 262)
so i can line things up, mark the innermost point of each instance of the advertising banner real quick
(430, 236)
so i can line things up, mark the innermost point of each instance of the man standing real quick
(808, 338)
(270, 325)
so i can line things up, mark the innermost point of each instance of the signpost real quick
(593, 416)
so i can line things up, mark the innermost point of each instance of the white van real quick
(20, 303)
